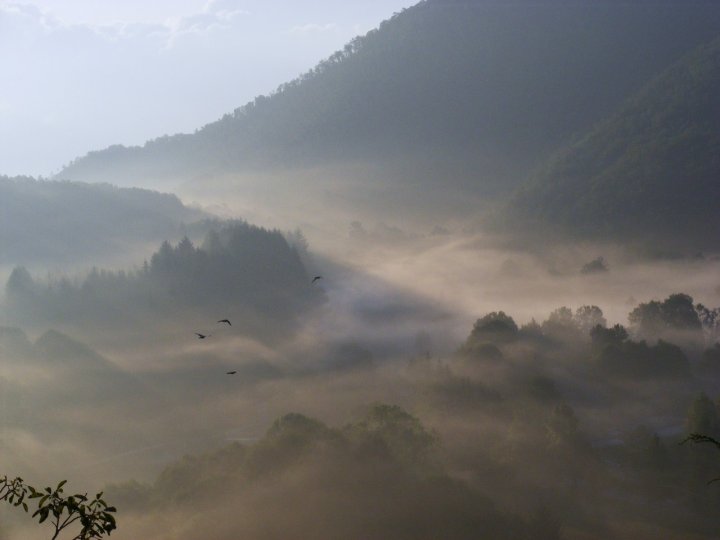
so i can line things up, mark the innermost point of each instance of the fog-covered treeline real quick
(564, 428)
(62, 222)
(241, 269)
(561, 429)
(377, 476)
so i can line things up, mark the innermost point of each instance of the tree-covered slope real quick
(65, 221)
(56, 366)
(487, 88)
(650, 172)
(248, 271)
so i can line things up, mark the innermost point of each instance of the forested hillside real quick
(580, 419)
(239, 268)
(482, 90)
(650, 172)
(64, 221)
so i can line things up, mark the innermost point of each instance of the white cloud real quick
(225, 9)
(28, 15)
(216, 14)
(313, 28)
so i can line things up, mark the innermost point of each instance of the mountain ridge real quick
(494, 86)
(64, 220)
(649, 172)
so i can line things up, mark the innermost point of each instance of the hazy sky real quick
(79, 75)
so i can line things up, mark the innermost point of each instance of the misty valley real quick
(460, 280)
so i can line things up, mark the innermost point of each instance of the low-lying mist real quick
(535, 428)
(448, 284)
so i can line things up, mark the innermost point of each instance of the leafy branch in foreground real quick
(699, 439)
(94, 515)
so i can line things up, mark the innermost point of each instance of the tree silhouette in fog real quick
(239, 265)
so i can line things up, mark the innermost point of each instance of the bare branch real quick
(699, 439)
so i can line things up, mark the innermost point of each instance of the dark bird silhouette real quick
(225, 321)
(202, 336)
(315, 279)
(231, 373)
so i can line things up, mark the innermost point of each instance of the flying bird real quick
(231, 373)
(202, 336)
(225, 321)
(315, 279)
